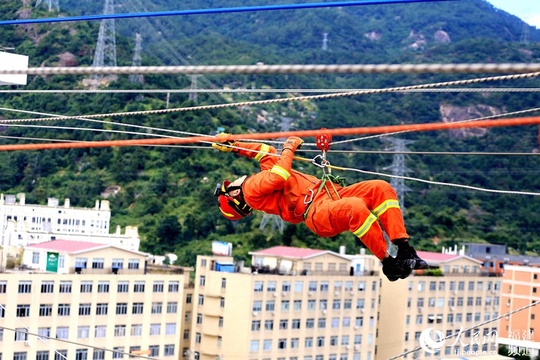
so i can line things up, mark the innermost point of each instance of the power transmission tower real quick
(398, 168)
(137, 78)
(193, 94)
(51, 4)
(325, 42)
(106, 46)
(525, 33)
(276, 221)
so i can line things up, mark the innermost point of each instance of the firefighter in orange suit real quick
(361, 208)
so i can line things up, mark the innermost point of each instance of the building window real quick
(324, 286)
(123, 287)
(267, 344)
(35, 257)
(133, 264)
(98, 263)
(120, 330)
(45, 310)
(157, 307)
(201, 300)
(21, 334)
(47, 287)
(117, 263)
(168, 350)
(81, 354)
(99, 354)
(101, 309)
(19, 355)
(103, 287)
(154, 350)
(25, 287)
(270, 305)
(63, 309)
(85, 309)
(197, 338)
(62, 332)
(137, 308)
(3, 287)
(312, 286)
(136, 330)
(83, 332)
(257, 305)
(121, 308)
(199, 319)
(170, 328)
(258, 286)
(100, 331)
(158, 287)
(255, 325)
(138, 286)
(285, 305)
(118, 352)
(202, 280)
(282, 344)
(174, 286)
(221, 302)
(271, 286)
(172, 307)
(254, 346)
(86, 286)
(65, 287)
(42, 355)
(23, 310)
(81, 263)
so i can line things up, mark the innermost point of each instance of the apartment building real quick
(520, 332)
(291, 304)
(432, 304)
(23, 224)
(98, 302)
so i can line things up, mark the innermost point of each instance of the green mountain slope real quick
(167, 191)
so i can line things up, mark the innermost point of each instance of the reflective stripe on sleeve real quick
(388, 204)
(262, 152)
(362, 230)
(281, 172)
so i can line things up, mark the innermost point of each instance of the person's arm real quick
(263, 153)
(277, 175)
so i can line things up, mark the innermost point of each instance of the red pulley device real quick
(324, 141)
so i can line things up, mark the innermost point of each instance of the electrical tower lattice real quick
(137, 78)
(106, 46)
(51, 4)
(399, 169)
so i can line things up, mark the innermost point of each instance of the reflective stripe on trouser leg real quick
(371, 235)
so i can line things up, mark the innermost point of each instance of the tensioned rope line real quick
(474, 68)
(262, 91)
(276, 135)
(212, 11)
(290, 99)
(534, 303)
(462, 121)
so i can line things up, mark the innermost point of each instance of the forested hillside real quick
(167, 191)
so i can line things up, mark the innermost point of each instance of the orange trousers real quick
(362, 209)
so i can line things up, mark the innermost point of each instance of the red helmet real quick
(232, 208)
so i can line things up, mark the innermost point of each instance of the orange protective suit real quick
(360, 207)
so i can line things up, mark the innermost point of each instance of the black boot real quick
(395, 268)
(406, 251)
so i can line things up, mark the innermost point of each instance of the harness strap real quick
(325, 178)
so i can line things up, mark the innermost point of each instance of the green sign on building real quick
(52, 262)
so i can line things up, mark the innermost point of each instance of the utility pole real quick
(325, 42)
(137, 78)
(51, 4)
(105, 54)
(398, 168)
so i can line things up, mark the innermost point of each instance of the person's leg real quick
(382, 200)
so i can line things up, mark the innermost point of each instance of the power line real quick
(212, 11)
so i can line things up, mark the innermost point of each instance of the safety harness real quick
(323, 143)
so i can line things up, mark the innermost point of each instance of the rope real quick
(209, 11)
(283, 69)
(472, 327)
(274, 135)
(290, 99)
(262, 91)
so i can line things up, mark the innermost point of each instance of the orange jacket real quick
(277, 189)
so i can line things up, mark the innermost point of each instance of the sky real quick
(527, 10)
